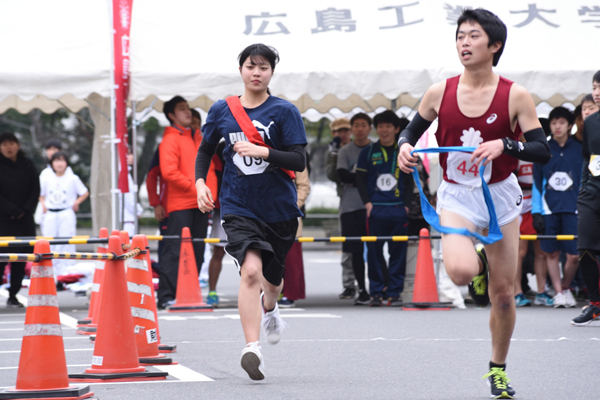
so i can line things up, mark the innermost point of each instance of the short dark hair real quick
(169, 107)
(561, 112)
(596, 77)
(259, 50)
(491, 24)
(59, 155)
(196, 114)
(577, 111)
(362, 116)
(545, 125)
(388, 116)
(588, 97)
(8, 137)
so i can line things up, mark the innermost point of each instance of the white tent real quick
(342, 54)
(352, 53)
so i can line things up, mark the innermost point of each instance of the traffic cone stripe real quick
(42, 330)
(137, 288)
(42, 271)
(95, 287)
(100, 264)
(142, 313)
(44, 300)
(138, 264)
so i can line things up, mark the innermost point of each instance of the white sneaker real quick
(559, 300)
(272, 323)
(252, 361)
(569, 299)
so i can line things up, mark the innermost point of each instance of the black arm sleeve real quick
(414, 130)
(361, 185)
(536, 149)
(346, 176)
(292, 157)
(203, 158)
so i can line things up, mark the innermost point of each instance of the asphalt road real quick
(334, 350)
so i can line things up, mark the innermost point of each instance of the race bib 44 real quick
(460, 169)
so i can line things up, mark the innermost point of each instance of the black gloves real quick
(538, 223)
(335, 144)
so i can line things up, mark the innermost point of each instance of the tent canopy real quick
(342, 54)
(348, 54)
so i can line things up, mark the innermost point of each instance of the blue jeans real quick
(387, 221)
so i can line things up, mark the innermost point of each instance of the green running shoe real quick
(498, 382)
(212, 299)
(478, 287)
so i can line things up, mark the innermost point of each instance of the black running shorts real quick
(273, 240)
(588, 221)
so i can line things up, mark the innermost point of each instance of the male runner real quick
(481, 109)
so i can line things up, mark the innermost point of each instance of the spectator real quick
(19, 193)
(293, 279)
(177, 154)
(157, 197)
(353, 215)
(586, 108)
(340, 130)
(385, 192)
(52, 146)
(555, 190)
(588, 211)
(61, 193)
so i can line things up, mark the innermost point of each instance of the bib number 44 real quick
(460, 169)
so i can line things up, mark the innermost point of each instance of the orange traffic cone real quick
(189, 294)
(143, 308)
(115, 356)
(88, 325)
(163, 348)
(43, 367)
(425, 294)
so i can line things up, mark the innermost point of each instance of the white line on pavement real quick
(73, 365)
(184, 374)
(18, 351)
(237, 317)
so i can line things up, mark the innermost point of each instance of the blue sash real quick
(431, 216)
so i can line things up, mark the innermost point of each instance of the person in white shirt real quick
(61, 194)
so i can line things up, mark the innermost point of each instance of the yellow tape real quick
(400, 238)
(212, 240)
(368, 238)
(154, 237)
(306, 239)
(565, 237)
(337, 239)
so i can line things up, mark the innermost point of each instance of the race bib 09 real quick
(560, 181)
(460, 169)
(594, 165)
(386, 182)
(250, 165)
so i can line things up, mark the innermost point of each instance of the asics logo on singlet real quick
(491, 119)
(519, 200)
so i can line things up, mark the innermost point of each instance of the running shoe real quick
(522, 301)
(203, 283)
(559, 300)
(569, 299)
(272, 323)
(478, 287)
(395, 301)
(165, 305)
(348, 293)
(252, 362)
(543, 299)
(284, 302)
(212, 299)
(363, 299)
(589, 314)
(376, 301)
(498, 382)
(12, 302)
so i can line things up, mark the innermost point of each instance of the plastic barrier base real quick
(167, 348)
(118, 377)
(441, 306)
(71, 393)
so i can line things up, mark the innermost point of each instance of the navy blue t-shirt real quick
(385, 181)
(252, 187)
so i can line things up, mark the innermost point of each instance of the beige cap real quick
(340, 123)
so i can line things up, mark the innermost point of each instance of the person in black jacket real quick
(19, 193)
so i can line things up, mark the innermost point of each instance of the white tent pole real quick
(135, 166)
(114, 169)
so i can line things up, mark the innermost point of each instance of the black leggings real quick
(17, 272)
(358, 266)
(588, 262)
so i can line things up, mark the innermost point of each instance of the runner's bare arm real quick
(428, 111)
(203, 158)
(522, 110)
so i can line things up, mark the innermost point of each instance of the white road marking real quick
(68, 366)
(184, 374)
(64, 338)
(237, 317)
(18, 351)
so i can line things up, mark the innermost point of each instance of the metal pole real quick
(135, 166)
(114, 170)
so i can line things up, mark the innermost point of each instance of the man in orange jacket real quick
(177, 159)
